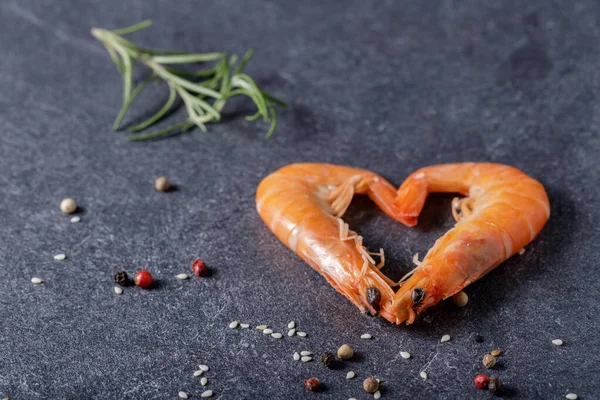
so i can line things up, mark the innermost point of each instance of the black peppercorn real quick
(327, 359)
(496, 387)
(121, 278)
(479, 338)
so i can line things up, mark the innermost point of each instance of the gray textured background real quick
(385, 85)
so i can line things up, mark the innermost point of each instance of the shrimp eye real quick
(418, 294)
(374, 297)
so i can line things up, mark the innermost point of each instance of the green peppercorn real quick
(489, 361)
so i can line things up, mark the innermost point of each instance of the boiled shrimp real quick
(303, 204)
(503, 211)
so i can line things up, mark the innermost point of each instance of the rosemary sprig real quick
(203, 92)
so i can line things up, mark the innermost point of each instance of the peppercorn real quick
(327, 359)
(162, 184)
(143, 279)
(489, 361)
(496, 387)
(312, 384)
(482, 381)
(199, 267)
(68, 206)
(479, 338)
(370, 385)
(122, 278)
(345, 352)
(460, 299)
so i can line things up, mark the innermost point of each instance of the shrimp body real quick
(504, 211)
(303, 204)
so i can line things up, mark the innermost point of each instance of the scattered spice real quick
(276, 335)
(495, 386)
(496, 353)
(489, 361)
(366, 336)
(199, 267)
(328, 359)
(571, 396)
(261, 327)
(291, 332)
(296, 356)
(162, 184)
(118, 290)
(482, 381)
(350, 375)
(345, 352)
(305, 353)
(557, 342)
(301, 334)
(405, 355)
(181, 277)
(233, 324)
(68, 206)
(37, 281)
(183, 395)
(291, 325)
(370, 385)
(306, 359)
(267, 331)
(203, 367)
(245, 326)
(75, 219)
(204, 381)
(460, 299)
(206, 394)
(445, 338)
(122, 278)
(60, 257)
(143, 279)
(198, 372)
(423, 375)
(312, 384)
(377, 395)
(479, 338)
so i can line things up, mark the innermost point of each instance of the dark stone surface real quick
(389, 86)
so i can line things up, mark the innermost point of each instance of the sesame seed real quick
(571, 396)
(445, 338)
(302, 334)
(377, 395)
(276, 335)
(350, 375)
(206, 394)
(181, 277)
(366, 336)
(405, 354)
(75, 219)
(183, 395)
(261, 327)
(522, 251)
(204, 381)
(203, 367)
(234, 324)
(351, 398)
(296, 356)
(245, 326)
(291, 332)
(306, 353)
(268, 331)
(198, 372)
(306, 359)
(557, 342)
(60, 257)
(118, 290)
(37, 281)
(292, 325)
(423, 375)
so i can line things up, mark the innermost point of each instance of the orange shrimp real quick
(505, 209)
(303, 204)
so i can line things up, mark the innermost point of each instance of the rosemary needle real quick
(203, 92)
